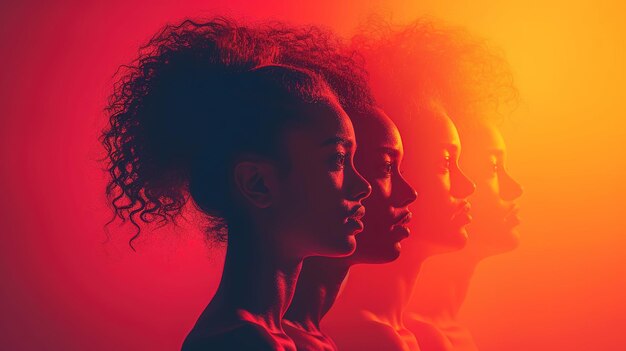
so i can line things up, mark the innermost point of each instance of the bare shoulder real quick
(366, 335)
(429, 336)
(244, 337)
(308, 341)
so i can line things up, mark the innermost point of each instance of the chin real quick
(389, 255)
(453, 243)
(501, 242)
(457, 239)
(345, 248)
(511, 240)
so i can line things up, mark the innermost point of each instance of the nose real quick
(406, 193)
(461, 186)
(510, 189)
(359, 187)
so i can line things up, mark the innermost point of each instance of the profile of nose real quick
(359, 188)
(462, 186)
(511, 189)
(406, 193)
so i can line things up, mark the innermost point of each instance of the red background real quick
(63, 287)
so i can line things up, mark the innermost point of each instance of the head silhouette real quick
(380, 150)
(441, 69)
(494, 229)
(205, 113)
(402, 84)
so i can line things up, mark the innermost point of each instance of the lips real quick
(403, 219)
(462, 216)
(353, 219)
(464, 207)
(511, 217)
(512, 212)
(400, 230)
(357, 213)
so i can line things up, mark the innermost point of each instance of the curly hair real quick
(427, 62)
(199, 94)
(322, 51)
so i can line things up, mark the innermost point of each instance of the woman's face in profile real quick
(441, 211)
(494, 203)
(320, 197)
(379, 159)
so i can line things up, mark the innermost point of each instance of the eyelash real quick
(340, 160)
(388, 169)
(496, 167)
(447, 163)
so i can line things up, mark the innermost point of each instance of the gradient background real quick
(63, 286)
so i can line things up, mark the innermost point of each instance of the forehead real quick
(377, 131)
(483, 137)
(434, 130)
(321, 122)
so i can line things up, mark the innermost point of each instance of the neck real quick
(258, 281)
(318, 286)
(442, 287)
(387, 287)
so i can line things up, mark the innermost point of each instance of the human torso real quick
(306, 340)
(446, 336)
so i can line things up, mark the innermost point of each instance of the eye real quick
(496, 166)
(339, 160)
(446, 164)
(388, 168)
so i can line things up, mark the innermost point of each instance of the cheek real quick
(377, 205)
(440, 187)
(324, 191)
(487, 207)
(487, 194)
(381, 190)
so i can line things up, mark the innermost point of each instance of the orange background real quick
(62, 287)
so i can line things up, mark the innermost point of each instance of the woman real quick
(379, 157)
(263, 149)
(385, 226)
(444, 280)
(475, 84)
(369, 314)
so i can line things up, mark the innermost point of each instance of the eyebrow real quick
(338, 141)
(450, 146)
(388, 150)
(497, 152)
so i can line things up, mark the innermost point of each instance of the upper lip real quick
(464, 207)
(357, 212)
(403, 218)
(512, 211)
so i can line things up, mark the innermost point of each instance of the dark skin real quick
(444, 281)
(378, 159)
(369, 313)
(265, 252)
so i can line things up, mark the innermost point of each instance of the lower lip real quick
(512, 220)
(401, 231)
(355, 224)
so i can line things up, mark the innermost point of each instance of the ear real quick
(256, 182)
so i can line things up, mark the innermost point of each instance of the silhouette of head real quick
(380, 149)
(494, 207)
(415, 81)
(465, 76)
(205, 113)
(442, 210)
(387, 217)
